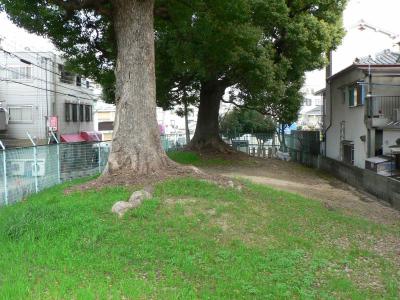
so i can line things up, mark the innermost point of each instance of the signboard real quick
(53, 123)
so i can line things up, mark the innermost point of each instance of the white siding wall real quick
(14, 94)
(353, 117)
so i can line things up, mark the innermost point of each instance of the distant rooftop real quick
(386, 57)
(317, 111)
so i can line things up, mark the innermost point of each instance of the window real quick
(348, 152)
(106, 126)
(78, 80)
(356, 95)
(68, 112)
(20, 72)
(88, 113)
(75, 112)
(87, 84)
(21, 114)
(65, 77)
(81, 112)
(307, 102)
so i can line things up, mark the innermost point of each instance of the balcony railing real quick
(385, 107)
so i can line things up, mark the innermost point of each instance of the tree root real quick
(133, 181)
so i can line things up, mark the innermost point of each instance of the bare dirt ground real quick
(312, 184)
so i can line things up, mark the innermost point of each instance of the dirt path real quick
(313, 184)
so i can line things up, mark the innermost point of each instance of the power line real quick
(44, 89)
(36, 65)
(40, 79)
(29, 62)
(33, 54)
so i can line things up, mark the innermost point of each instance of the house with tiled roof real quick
(361, 107)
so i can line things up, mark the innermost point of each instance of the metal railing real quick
(385, 106)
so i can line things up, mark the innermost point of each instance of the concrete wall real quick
(384, 188)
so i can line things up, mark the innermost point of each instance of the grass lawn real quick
(192, 158)
(192, 240)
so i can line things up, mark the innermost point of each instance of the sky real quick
(16, 38)
(383, 14)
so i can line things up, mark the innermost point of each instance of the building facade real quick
(362, 112)
(40, 96)
(310, 114)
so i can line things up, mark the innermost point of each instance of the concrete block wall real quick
(385, 188)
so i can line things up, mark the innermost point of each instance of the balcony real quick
(384, 111)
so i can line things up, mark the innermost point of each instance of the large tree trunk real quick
(136, 146)
(206, 136)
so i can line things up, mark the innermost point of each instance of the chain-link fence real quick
(24, 171)
(174, 141)
(254, 144)
(28, 170)
(304, 146)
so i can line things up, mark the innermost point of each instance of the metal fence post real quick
(99, 156)
(4, 173)
(58, 157)
(34, 162)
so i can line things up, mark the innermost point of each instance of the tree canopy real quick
(243, 121)
(260, 49)
(113, 43)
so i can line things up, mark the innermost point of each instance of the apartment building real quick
(38, 96)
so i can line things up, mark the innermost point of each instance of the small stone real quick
(121, 207)
(138, 197)
(230, 184)
(239, 188)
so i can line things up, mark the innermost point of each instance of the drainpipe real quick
(329, 74)
(369, 113)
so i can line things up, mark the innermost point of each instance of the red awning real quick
(91, 136)
(72, 138)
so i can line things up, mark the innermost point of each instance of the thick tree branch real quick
(265, 111)
(70, 6)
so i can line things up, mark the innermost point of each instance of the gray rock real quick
(230, 184)
(121, 207)
(138, 197)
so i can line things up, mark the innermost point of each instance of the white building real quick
(40, 95)
(370, 26)
(362, 112)
(103, 118)
(310, 114)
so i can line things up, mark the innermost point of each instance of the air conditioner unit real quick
(17, 167)
(40, 168)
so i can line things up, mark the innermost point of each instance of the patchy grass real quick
(192, 158)
(192, 240)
